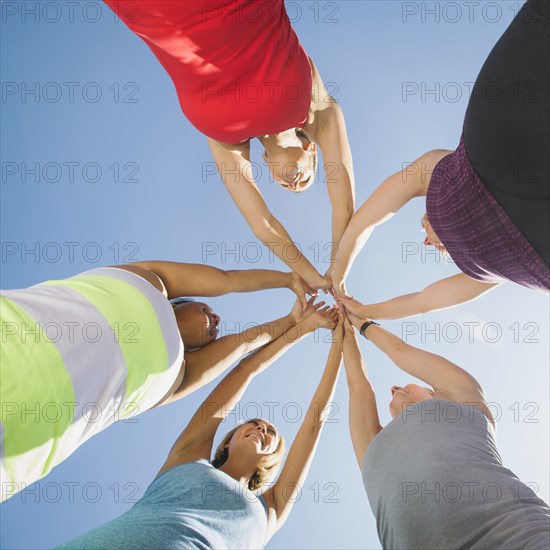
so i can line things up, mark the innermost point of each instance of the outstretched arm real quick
(338, 164)
(364, 422)
(196, 439)
(205, 364)
(181, 279)
(281, 496)
(390, 196)
(447, 379)
(446, 293)
(236, 173)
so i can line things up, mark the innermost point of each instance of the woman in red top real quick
(240, 72)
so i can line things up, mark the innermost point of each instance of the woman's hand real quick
(338, 330)
(326, 317)
(301, 288)
(321, 282)
(299, 313)
(353, 321)
(348, 324)
(339, 286)
(352, 305)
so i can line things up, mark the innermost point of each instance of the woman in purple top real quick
(487, 202)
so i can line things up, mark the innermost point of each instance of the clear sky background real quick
(139, 191)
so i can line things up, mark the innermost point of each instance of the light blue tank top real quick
(191, 506)
(435, 480)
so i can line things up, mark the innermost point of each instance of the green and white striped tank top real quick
(76, 356)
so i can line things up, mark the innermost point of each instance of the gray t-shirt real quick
(434, 479)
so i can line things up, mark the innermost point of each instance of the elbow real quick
(263, 231)
(359, 387)
(347, 209)
(400, 347)
(245, 370)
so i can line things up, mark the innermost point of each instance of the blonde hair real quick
(269, 464)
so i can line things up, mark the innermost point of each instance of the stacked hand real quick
(341, 318)
(339, 329)
(326, 317)
(352, 306)
(320, 282)
(338, 285)
(348, 323)
(301, 288)
(300, 313)
(316, 315)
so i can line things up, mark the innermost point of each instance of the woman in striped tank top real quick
(81, 353)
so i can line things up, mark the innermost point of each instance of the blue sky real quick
(123, 176)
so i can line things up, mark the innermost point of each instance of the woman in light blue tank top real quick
(195, 503)
(433, 476)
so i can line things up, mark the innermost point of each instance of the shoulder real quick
(471, 400)
(146, 274)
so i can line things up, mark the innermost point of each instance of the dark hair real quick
(181, 300)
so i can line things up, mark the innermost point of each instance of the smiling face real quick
(293, 167)
(402, 397)
(255, 436)
(258, 442)
(197, 323)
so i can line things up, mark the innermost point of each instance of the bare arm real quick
(446, 293)
(236, 173)
(445, 377)
(364, 422)
(386, 200)
(196, 439)
(281, 497)
(205, 364)
(333, 141)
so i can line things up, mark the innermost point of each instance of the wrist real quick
(290, 319)
(364, 327)
(288, 279)
(368, 313)
(306, 327)
(359, 321)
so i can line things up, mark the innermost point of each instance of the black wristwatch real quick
(365, 326)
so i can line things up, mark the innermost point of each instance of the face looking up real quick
(431, 237)
(257, 436)
(407, 395)
(197, 323)
(293, 167)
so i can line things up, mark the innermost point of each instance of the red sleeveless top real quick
(237, 65)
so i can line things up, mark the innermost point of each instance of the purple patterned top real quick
(482, 240)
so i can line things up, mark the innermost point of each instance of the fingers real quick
(312, 291)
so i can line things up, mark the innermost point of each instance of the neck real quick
(288, 138)
(240, 468)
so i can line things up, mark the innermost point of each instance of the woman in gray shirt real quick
(433, 475)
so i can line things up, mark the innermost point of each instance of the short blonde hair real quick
(269, 464)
